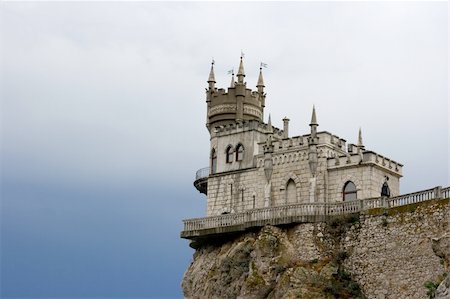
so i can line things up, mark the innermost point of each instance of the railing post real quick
(438, 192)
(384, 202)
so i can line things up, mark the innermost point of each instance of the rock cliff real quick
(396, 253)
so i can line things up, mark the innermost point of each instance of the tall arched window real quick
(239, 152)
(213, 161)
(291, 192)
(229, 154)
(349, 191)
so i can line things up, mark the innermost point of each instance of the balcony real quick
(201, 180)
(299, 213)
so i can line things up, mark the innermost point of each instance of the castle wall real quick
(368, 180)
(391, 256)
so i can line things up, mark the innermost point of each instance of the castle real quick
(254, 165)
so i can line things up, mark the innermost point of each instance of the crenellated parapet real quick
(246, 125)
(236, 103)
(353, 159)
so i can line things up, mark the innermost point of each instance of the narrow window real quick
(291, 192)
(242, 195)
(213, 161)
(229, 154)
(254, 200)
(349, 191)
(239, 152)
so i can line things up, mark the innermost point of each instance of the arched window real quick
(213, 161)
(239, 152)
(291, 192)
(385, 191)
(349, 191)
(229, 154)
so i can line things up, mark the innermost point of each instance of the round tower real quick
(237, 103)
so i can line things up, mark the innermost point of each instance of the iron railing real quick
(202, 173)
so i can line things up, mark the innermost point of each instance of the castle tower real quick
(237, 103)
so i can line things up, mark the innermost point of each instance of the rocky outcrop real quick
(382, 254)
(441, 247)
(268, 264)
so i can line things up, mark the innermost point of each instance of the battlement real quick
(246, 125)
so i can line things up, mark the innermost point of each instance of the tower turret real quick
(312, 142)
(241, 74)
(237, 103)
(211, 78)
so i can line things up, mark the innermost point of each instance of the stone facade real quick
(255, 165)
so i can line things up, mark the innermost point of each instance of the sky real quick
(103, 121)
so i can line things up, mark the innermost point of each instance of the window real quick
(239, 152)
(213, 161)
(349, 191)
(385, 191)
(291, 192)
(229, 154)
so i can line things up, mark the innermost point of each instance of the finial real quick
(360, 142)
(232, 77)
(314, 118)
(269, 124)
(260, 78)
(241, 73)
(211, 78)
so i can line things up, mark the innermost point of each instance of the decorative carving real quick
(224, 108)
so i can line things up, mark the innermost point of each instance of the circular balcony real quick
(201, 180)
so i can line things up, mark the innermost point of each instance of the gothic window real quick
(291, 192)
(213, 161)
(229, 154)
(385, 191)
(239, 152)
(349, 191)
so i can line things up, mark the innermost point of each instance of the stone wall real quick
(384, 253)
(390, 252)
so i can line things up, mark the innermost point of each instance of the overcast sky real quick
(103, 120)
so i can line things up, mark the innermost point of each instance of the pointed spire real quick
(260, 79)
(360, 141)
(241, 73)
(232, 80)
(313, 117)
(212, 78)
(269, 124)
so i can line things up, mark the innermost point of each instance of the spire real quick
(314, 118)
(269, 124)
(241, 73)
(232, 80)
(211, 79)
(260, 79)
(360, 141)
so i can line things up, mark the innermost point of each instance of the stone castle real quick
(307, 216)
(255, 165)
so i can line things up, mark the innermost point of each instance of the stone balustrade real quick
(301, 212)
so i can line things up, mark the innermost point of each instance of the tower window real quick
(213, 161)
(229, 154)
(239, 152)
(385, 191)
(349, 191)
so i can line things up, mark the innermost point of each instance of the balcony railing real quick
(301, 212)
(202, 173)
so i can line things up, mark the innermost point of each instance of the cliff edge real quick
(384, 253)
